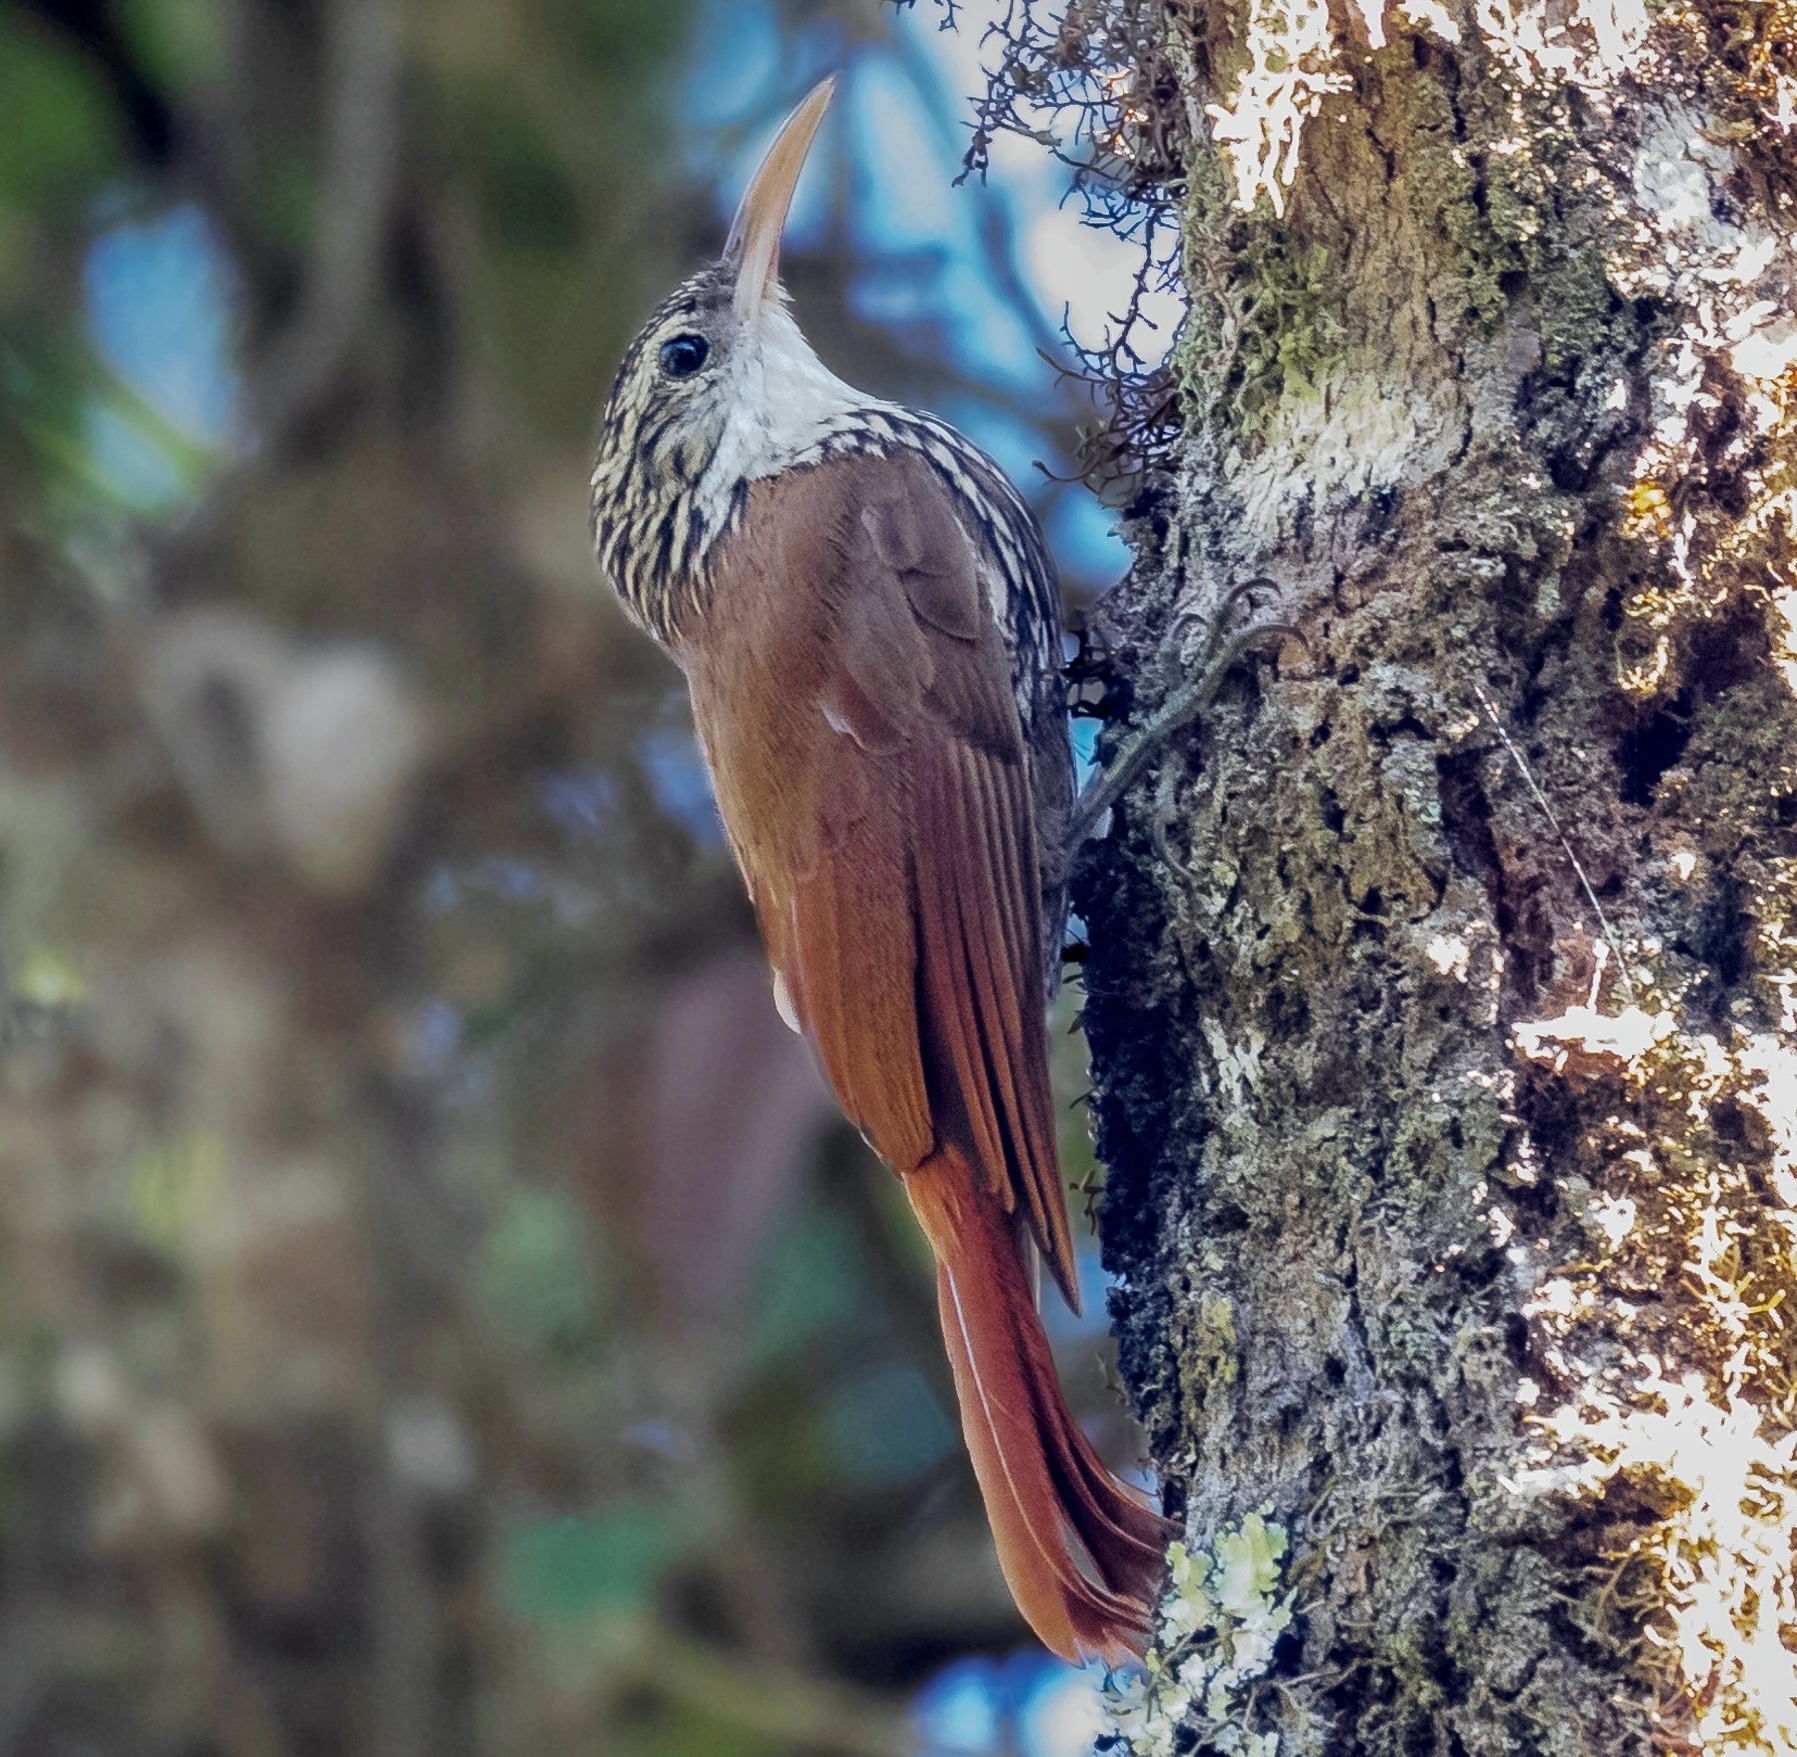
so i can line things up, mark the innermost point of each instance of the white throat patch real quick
(783, 401)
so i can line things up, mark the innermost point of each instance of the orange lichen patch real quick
(1649, 512)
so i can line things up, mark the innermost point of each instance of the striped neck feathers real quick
(677, 453)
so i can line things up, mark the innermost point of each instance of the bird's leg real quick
(1220, 653)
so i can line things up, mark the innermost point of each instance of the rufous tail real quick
(1082, 1553)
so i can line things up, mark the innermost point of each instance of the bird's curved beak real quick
(754, 245)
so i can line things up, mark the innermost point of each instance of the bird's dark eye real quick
(684, 355)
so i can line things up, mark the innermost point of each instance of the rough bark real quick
(1439, 989)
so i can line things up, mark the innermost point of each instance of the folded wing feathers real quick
(847, 942)
(978, 973)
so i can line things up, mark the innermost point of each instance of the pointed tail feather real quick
(1082, 1553)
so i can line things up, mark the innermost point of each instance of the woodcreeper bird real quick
(868, 621)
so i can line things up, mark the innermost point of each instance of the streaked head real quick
(719, 387)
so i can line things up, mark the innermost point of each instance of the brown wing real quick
(854, 700)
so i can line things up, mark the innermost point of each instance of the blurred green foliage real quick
(173, 1181)
(180, 45)
(62, 133)
(538, 1277)
(885, 1428)
(564, 1571)
(808, 1285)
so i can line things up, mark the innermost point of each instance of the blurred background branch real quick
(359, 165)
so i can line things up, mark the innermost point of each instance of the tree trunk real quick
(1441, 983)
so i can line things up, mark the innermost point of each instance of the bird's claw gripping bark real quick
(1221, 651)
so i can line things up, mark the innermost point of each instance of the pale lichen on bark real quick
(1443, 1028)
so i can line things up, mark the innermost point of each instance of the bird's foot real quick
(1222, 650)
